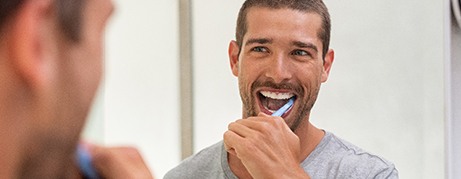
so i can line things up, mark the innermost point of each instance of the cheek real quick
(89, 72)
(249, 72)
(94, 74)
(246, 79)
(311, 78)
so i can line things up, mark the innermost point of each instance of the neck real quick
(24, 150)
(13, 133)
(22, 155)
(10, 153)
(309, 137)
(237, 167)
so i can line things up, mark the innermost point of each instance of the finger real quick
(231, 141)
(230, 150)
(277, 120)
(241, 128)
(104, 161)
(261, 124)
(261, 114)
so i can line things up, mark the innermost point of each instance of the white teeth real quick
(274, 95)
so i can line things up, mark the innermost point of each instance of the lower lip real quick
(263, 109)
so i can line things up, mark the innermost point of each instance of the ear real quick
(328, 61)
(234, 57)
(29, 39)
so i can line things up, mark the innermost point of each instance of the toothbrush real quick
(84, 163)
(284, 108)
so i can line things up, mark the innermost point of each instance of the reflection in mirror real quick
(385, 91)
(384, 94)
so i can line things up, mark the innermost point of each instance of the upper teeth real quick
(275, 95)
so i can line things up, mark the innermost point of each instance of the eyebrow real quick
(259, 41)
(294, 43)
(305, 45)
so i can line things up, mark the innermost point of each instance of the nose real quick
(278, 68)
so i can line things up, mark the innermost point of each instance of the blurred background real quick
(390, 91)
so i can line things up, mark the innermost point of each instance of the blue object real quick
(84, 163)
(284, 108)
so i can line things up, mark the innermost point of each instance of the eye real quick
(259, 49)
(300, 53)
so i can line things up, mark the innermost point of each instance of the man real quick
(281, 52)
(50, 68)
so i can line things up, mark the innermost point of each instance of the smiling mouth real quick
(272, 101)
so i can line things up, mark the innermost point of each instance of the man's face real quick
(80, 68)
(280, 58)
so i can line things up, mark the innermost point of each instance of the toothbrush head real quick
(284, 108)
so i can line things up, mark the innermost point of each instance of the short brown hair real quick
(69, 15)
(8, 8)
(310, 6)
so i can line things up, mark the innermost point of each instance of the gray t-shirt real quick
(332, 158)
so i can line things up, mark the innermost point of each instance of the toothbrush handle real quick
(84, 162)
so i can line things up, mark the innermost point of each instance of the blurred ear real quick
(233, 53)
(29, 41)
(328, 61)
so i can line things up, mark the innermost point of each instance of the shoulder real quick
(349, 161)
(204, 164)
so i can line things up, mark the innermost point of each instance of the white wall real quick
(385, 92)
(217, 101)
(139, 104)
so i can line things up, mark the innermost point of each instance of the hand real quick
(119, 162)
(266, 146)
